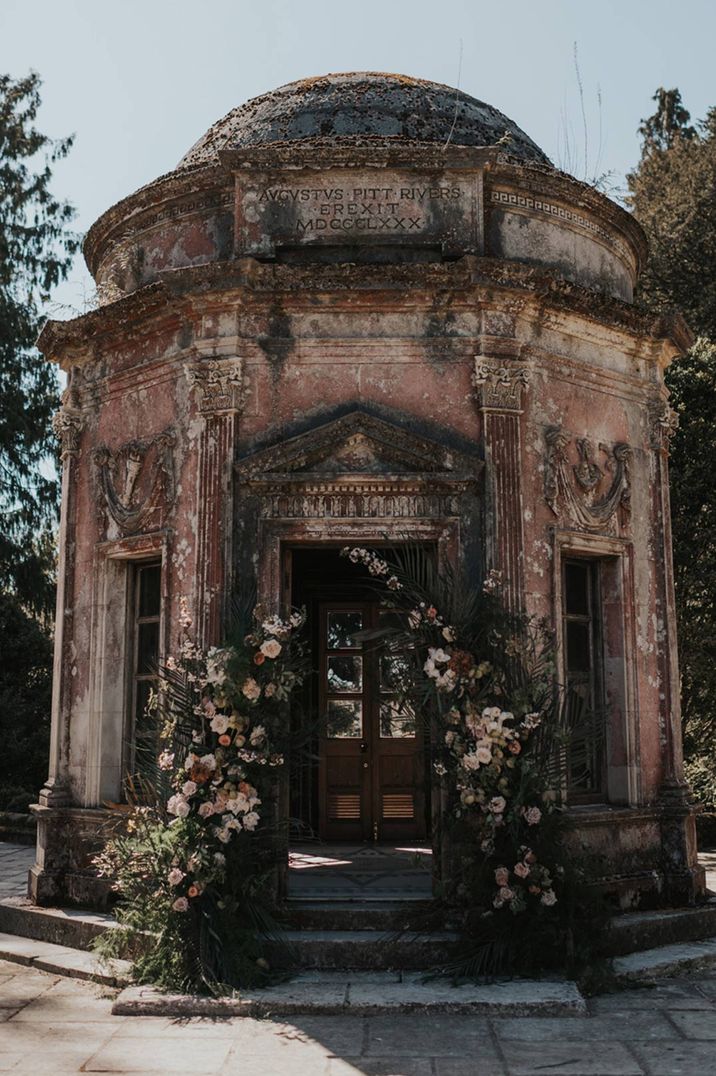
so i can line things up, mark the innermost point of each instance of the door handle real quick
(364, 746)
(365, 765)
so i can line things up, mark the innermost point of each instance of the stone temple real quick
(365, 308)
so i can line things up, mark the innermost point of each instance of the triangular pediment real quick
(358, 444)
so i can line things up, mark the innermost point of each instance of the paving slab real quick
(680, 1058)
(571, 1059)
(666, 995)
(615, 1026)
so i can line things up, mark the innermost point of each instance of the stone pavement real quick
(54, 1025)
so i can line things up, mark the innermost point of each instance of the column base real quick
(67, 839)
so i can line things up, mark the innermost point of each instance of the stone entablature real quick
(463, 201)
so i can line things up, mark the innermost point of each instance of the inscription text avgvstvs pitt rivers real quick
(357, 209)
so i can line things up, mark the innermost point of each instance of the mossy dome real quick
(362, 107)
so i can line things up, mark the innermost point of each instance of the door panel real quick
(371, 761)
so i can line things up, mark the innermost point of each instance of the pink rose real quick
(497, 804)
(181, 904)
(532, 816)
(521, 870)
(502, 876)
(505, 893)
(548, 898)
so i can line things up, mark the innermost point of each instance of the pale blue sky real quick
(138, 81)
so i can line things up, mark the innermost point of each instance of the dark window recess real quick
(144, 656)
(584, 669)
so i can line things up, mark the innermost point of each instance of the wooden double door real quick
(371, 766)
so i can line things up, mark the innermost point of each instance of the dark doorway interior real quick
(366, 779)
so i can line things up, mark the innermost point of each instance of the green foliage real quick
(503, 752)
(36, 251)
(673, 193)
(195, 870)
(25, 698)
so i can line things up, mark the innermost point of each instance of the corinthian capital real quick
(219, 384)
(663, 424)
(67, 424)
(499, 384)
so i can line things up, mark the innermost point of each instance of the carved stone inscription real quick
(359, 209)
(339, 207)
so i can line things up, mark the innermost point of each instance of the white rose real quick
(178, 806)
(271, 648)
(175, 876)
(188, 788)
(251, 820)
(208, 761)
(251, 689)
(219, 723)
(258, 735)
(206, 810)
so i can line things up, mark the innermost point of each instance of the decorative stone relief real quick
(219, 384)
(577, 489)
(68, 424)
(137, 481)
(358, 466)
(499, 384)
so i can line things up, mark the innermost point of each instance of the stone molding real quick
(68, 424)
(499, 384)
(219, 384)
(137, 481)
(574, 488)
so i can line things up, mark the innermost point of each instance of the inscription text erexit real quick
(356, 209)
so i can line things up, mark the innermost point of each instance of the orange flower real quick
(193, 891)
(224, 740)
(200, 774)
(259, 658)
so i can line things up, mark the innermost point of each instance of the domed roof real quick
(359, 106)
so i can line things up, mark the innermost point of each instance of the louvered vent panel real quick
(343, 806)
(398, 805)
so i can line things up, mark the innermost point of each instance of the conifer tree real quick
(36, 250)
(673, 194)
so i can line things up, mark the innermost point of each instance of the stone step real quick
(364, 994)
(665, 960)
(62, 960)
(364, 949)
(634, 931)
(71, 927)
(356, 915)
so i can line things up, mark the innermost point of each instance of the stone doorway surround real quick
(357, 480)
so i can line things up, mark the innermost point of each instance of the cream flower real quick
(166, 760)
(258, 735)
(251, 689)
(548, 897)
(251, 820)
(497, 805)
(178, 806)
(188, 788)
(181, 904)
(219, 723)
(175, 876)
(271, 648)
(206, 809)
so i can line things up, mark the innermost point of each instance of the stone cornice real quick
(171, 297)
(137, 210)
